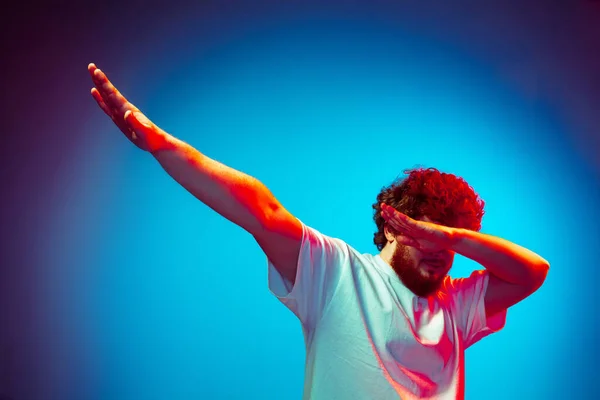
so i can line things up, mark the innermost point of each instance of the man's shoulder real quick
(461, 286)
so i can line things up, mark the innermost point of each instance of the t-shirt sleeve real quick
(321, 262)
(468, 304)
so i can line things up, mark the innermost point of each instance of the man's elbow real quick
(539, 276)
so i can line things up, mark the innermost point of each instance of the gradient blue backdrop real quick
(121, 285)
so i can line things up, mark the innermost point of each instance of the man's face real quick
(420, 271)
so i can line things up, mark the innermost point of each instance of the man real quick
(385, 326)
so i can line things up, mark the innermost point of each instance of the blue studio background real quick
(118, 284)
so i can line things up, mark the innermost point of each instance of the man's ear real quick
(390, 234)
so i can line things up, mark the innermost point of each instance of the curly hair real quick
(444, 198)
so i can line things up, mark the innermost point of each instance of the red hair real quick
(444, 198)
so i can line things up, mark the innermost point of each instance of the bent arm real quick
(240, 198)
(515, 272)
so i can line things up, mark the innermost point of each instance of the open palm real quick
(425, 236)
(127, 117)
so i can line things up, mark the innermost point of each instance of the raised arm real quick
(240, 198)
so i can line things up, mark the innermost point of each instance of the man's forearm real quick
(506, 260)
(240, 198)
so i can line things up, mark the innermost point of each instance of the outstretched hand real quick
(425, 236)
(128, 118)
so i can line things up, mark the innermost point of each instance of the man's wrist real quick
(161, 141)
(457, 237)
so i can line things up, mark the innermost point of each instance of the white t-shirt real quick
(368, 337)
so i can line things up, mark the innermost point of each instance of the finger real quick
(388, 211)
(396, 220)
(113, 99)
(98, 98)
(121, 124)
(401, 217)
(385, 208)
(397, 227)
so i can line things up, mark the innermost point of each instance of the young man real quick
(386, 326)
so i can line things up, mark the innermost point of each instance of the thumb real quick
(137, 121)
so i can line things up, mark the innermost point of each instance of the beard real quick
(411, 275)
